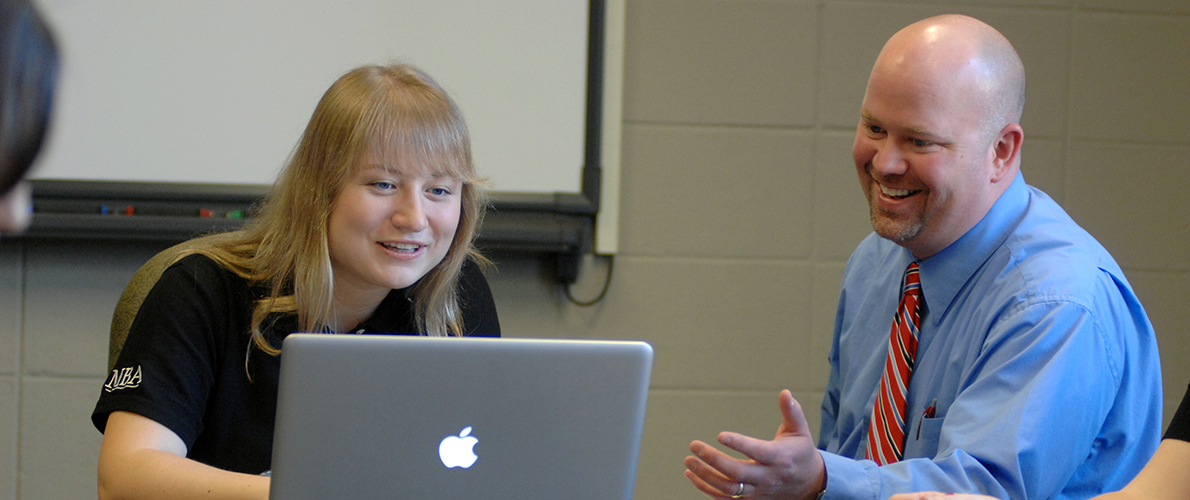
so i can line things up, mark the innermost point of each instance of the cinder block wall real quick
(739, 208)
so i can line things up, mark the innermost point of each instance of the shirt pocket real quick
(923, 439)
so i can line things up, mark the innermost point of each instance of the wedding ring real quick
(739, 490)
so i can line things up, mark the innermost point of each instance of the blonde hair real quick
(390, 109)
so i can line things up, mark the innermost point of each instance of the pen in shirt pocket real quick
(929, 413)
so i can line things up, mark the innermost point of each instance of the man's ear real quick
(1006, 152)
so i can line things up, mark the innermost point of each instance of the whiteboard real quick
(218, 91)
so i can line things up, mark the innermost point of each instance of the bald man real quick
(1020, 363)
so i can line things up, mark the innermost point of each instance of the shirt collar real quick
(945, 273)
(393, 315)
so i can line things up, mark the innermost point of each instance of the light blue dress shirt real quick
(1042, 360)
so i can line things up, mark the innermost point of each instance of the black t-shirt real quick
(188, 362)
(1179, 427)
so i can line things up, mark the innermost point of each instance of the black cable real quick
(611, 260)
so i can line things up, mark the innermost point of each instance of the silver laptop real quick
(376, 417)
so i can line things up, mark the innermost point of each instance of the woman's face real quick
(390, 226)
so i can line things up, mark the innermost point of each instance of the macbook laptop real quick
(377, 417)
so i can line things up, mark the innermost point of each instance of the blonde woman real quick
(369, 229)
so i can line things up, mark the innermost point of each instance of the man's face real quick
(923, 162)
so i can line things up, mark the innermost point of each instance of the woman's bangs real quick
(435, 149)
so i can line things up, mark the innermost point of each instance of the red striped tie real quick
(886, 433)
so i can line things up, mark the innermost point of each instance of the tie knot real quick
(912, 279)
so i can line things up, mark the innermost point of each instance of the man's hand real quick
(788, 467)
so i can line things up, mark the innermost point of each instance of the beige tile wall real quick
(739, 208)
(10, 328)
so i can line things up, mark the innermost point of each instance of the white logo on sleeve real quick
(123, 378)
(456, 451)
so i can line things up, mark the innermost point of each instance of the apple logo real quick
(455, 451)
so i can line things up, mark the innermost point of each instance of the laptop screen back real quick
(373, 416)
